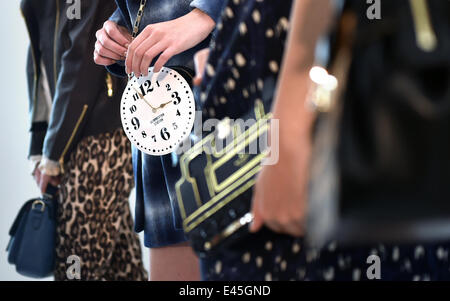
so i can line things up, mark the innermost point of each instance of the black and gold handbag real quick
(218, 174)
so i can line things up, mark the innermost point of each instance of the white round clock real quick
(157, 111)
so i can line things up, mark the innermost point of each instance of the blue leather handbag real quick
(32, 245)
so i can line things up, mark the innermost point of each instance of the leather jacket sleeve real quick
(38, 127)
(76, 80)
(118, 16)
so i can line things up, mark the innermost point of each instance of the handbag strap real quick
(137, 23)
(139, 16)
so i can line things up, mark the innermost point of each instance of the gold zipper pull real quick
(109, 84)
(72, 136)
(61, 165)
(425, 35)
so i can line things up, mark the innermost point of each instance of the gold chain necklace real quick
(138, 18)
(137, 22)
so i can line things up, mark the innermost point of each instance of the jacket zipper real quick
(55, 39)
(85, 107)
(109, 85)
(75, 130)
(425, 35)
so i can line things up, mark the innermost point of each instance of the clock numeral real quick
(168, 87)
(176, 97)
(175, 126)
(146, 87)
(154, 138)
(133, 109)
(135, 96)
(157, 83)
(178, 113)
(136, 123)
(165, 134)
(142, 90)
(144, 134)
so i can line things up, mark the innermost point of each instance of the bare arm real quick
(280, 193)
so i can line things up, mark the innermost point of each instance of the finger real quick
(104, 52)
(117, 33)
(99, 60)
(140, 52)
(258, 220)
(163, 58)
(149, 56)
(274, 225)
(37, 179)
(126, 34)
(257, 223)
(43, 184)
(109, 43)
(146, 32)
(133, 47)
(54, 181)
(197, 80)
(294, 229)
(200, 59)
(37, 176)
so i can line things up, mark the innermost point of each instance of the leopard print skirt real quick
(94, 220)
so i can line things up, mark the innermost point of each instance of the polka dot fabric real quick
(243, 66)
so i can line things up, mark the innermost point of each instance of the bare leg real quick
(174, 263)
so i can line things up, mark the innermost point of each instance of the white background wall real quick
(16, 184)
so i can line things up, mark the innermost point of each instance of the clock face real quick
(157, 111)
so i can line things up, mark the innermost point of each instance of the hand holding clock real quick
(167, 39)
(162, 134)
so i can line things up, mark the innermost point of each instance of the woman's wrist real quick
(49, 167)
(295, 136)
(34, 160)
(202, 19)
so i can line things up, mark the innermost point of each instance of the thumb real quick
(200, 59)
(125, 34)
(43, 184)
(258, 221)
(54, 181)
(197, 81)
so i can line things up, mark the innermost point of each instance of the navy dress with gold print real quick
(238, 75)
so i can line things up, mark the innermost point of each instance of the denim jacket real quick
(160, 11)
(155, 175)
